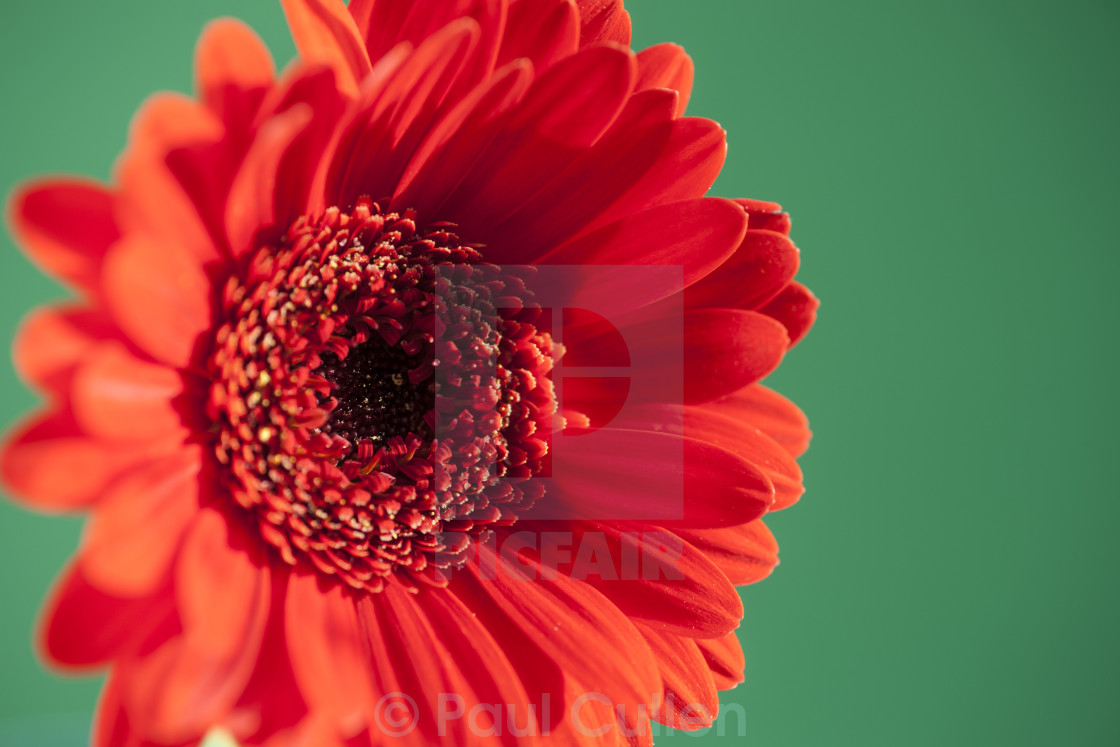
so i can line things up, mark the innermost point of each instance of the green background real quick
(952, 171)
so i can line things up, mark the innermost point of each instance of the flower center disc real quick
(375, 410)
(376, 399)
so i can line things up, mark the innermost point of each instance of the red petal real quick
(657, 477)
(763, 265)
(113, 728)
(325, 33)
(41, 458)
(52, 340)
(766, 216)
(116, 395)
(66, 227)
(271, 710)
(690, 699)
(716, 424)
(606, 346)
(297, 179)
(544, 32)
(315, 729)
(429, 645)
(668, 584)
(711, 422)
(591, 719)
(184, 686)
(404, 112)
(83, 627)
(386, 23)
(136, 528)
(175, 693)
(697, 235)
(571, 624)
(717, 350)
(728, 349)
(566, 110)
(161, 191)
(771, 413)
(721, 426)
(329, 650)
(456, 142)
(796, 308)
(725, 659)
(666, 66)
(221, 586)
(252, 199)
(746, 553)
(687, 165)
(603, 20)
(372, 107)
(160, 297)
(233, 68)
(491, 17)
(599, 399)
(167, 121)
(590, 182)
(489, 674)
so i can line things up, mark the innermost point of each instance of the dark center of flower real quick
(376, 410)
(375, 398)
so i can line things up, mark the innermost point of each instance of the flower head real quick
(310, 391)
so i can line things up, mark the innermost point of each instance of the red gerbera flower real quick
(308, 393)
